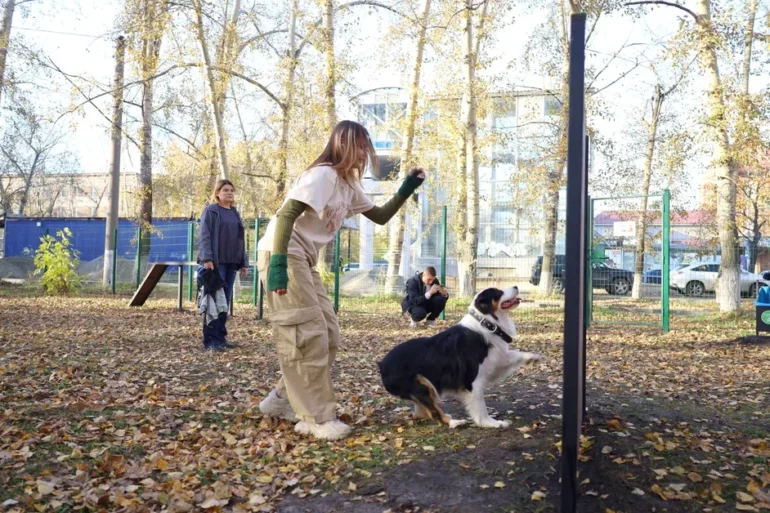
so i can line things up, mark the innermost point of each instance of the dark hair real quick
(431, 270)
(218, 187)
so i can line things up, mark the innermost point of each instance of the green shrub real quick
(57, 262)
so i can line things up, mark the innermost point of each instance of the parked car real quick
(697, 279)
(615, 281)
(654, 276)
(355, 266)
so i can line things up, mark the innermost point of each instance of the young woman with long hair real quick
(305, 327)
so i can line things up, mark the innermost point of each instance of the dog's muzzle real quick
(510, 298)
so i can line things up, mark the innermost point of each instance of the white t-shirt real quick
(331, 200)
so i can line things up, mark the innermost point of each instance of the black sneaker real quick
(215, 348)
(229, 345)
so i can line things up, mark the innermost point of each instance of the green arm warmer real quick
(383, 214)
(278, 277)
(284, 224)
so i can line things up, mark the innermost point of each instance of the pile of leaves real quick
(107, 408)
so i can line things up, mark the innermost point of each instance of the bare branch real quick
(621, 77)
(663, 2)
(250, 81)
(89, 100)
(172, 132)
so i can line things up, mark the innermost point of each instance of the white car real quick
(697, 279)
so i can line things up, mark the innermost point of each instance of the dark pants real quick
(431, 310)
(216, 333)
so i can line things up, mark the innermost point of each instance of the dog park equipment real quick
(762, 308)
(575, 268)
(153, 277)
(628, 209)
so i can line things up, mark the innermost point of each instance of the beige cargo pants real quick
(306, 336)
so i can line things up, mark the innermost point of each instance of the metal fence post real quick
(337, 272)
(45, 269)
(138, 255)
(190, 246)
(114, 260)
(665, 267)
(443, 252)
(255, 276)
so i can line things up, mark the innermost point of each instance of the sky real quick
(77, 36)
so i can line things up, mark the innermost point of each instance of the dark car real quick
(615, 281)
(653, 276)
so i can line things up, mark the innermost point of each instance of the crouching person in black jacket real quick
(425, 297)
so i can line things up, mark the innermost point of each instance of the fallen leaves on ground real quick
(107, 408)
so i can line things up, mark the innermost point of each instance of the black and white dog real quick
(461, 361)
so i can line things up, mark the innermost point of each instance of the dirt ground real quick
(115, 409)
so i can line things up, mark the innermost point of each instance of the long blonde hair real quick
(341, 152)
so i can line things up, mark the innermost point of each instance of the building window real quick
(552, 106)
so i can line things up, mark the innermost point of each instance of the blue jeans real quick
(216, 334)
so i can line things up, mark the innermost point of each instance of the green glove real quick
(411, 183)
(278, 276)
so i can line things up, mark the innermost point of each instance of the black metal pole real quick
(587, 251)
(574, 301)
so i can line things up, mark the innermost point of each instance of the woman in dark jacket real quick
(222, 247)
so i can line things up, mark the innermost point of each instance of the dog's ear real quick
(485, 299)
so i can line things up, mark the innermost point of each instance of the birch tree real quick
(396, 242)
(707, 39)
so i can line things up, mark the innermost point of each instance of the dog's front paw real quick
(492, 423)
(456, 423)
(530, 358)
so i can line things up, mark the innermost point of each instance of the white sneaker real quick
(430, 324)
(332, 430)
(275, 406)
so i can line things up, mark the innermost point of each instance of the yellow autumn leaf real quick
(499, 484)
(44, 488)
(265, 479)
(161, 464)
(538, 495)
(744, 497)
(745, 507)
(695, 477)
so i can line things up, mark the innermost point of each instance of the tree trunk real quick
(145, 166)
(556, 174)
(748, 43)
(288, 87)
(728, 291)
(396, 242)
(226, 58)
(468, 253)
(211, 85)
(24, 197)
(330, 82)
(152, 35)
(641, 226)
(5, 39)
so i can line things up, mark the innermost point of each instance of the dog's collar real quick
(490, 326)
